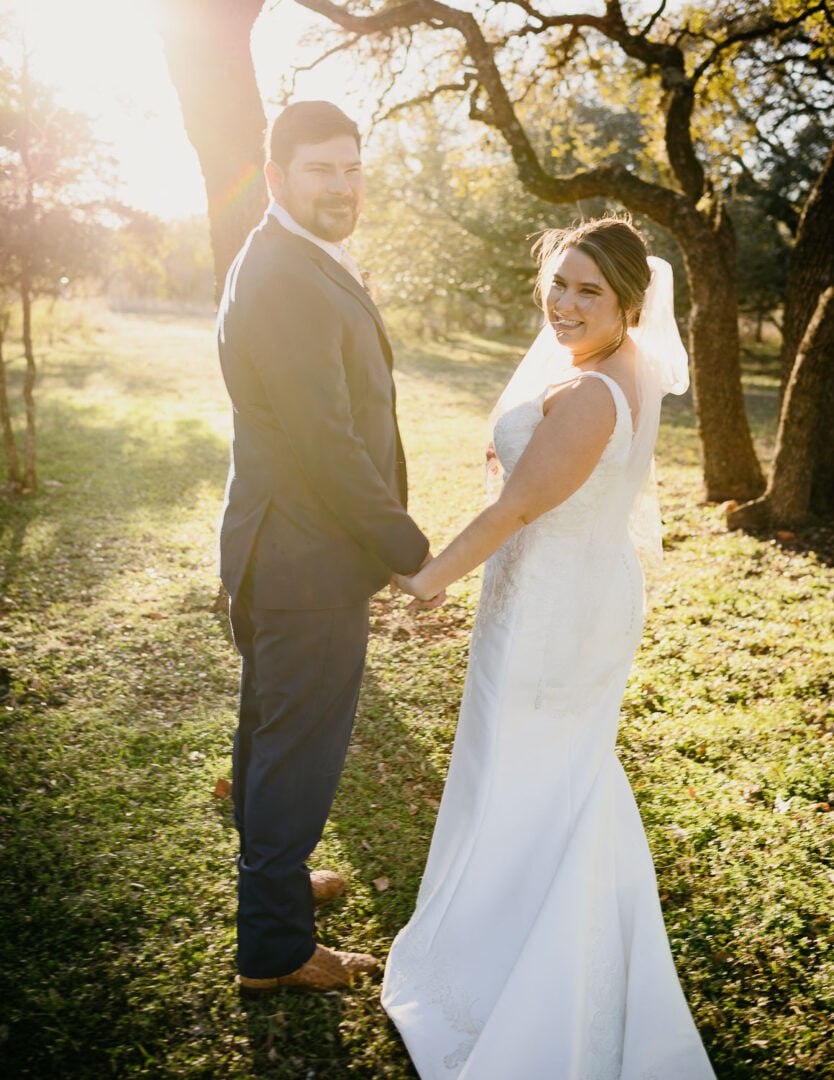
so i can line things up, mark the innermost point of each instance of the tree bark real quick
(207, 49)
(30, 476)
(13, 478)
(801, 481)
(811, 266)
(795, 486)
(730, 466)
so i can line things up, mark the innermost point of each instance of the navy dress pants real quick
(300, 683)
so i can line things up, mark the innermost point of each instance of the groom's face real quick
(322, 186)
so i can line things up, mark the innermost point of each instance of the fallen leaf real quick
(785, 535)
(222, 789)
(728, 506)
(381, 884)
(154, 615)
(691, 791)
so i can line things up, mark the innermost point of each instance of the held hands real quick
(415, 585)
(422, 600)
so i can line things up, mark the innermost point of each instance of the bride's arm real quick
(559, 458)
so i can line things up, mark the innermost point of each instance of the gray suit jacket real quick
(315, 501)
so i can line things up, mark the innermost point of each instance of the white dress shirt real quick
(336, 251)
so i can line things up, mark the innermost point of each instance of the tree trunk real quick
(822, 463)
(208, 54)
(801, 482)
(795, 485)
(30, 477)
(811, 267)
(12, 467)
(731, 468)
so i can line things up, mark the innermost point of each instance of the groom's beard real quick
(332, 219)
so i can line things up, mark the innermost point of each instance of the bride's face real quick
(581, 306)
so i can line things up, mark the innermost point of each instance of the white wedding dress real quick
(537, 950)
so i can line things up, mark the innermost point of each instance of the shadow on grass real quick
(380, 830)
(472, 368)
(388, 797)
(280, 1049)
(104, 477)
(151, 354)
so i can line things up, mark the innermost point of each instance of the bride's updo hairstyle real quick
(616, 247)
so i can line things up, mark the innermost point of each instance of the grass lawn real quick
(117, 706)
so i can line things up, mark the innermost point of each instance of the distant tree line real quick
(153, 264)
(62, 232)
(51, 201)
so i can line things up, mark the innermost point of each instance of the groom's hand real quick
(402, 582)
(394, 585)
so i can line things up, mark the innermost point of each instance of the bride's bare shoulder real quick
(583, 405)
(578, 392)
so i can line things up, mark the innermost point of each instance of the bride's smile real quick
(582, 307)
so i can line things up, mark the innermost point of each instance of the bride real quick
(537, 949)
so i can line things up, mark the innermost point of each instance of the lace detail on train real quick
(433, 979)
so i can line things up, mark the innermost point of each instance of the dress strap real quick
(617, 393)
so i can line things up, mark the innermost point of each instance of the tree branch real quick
(469, 77)
(343, 46)
(613, 180)
(765, 27)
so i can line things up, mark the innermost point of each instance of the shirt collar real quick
(291, 225)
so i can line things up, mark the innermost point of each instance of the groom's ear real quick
(274, 178)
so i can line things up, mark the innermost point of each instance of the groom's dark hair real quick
(306, 122)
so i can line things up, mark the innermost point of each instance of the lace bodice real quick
(515, 428)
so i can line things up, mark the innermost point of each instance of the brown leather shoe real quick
(326, 969)
(327, 885)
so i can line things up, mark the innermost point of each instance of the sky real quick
(105, 59)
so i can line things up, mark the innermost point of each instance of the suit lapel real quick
(333, 270)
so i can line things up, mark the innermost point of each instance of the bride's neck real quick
(619, 348)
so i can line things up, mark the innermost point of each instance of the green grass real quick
(117, 708)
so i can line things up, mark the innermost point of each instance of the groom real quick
(314, 524)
